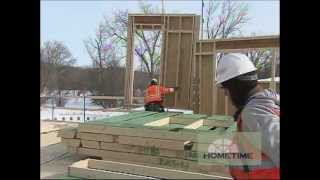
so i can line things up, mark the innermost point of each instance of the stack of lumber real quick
(103, 169)
(160, 140)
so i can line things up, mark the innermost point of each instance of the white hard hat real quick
(233, 65)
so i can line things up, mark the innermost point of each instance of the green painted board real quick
(151, 118)
(173, 126)
(232, 128)
(140, 121)
(220, 118)
(121, 118)
(204, 128)
(191, 116)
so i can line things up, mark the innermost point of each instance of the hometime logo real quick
(231, 149)
(225, 149)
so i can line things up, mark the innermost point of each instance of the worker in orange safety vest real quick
(154, 96)
(258, 110)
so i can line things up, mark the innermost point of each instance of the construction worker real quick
(258, 110)
(154, 96)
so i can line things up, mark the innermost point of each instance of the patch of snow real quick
(75, 115)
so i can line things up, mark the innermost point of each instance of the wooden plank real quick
(220, 118)
(71, 142)
(154, 117)
(150, 132)
(273, 69)
(182, 121)
(183, 96)
(178, 65)
(205, 53)
(226, 107)
(163, 162)
(187, 23)
(128, 86)
(217, 123)
(72, 149)
(207, 47)
(174, 23)
(69, 133)
(162, 53)
(96, 137)
(159, 122)
(80, 169)
(171, 66)
(196, 86)
(195, 125)
(90, 144)
(139, 149)
(213, 81)
(147, 170)
(150, 142)
(151, 19)
(180, 31)
(206, 84)
(252, 42)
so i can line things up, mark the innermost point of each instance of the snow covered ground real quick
(75, 115)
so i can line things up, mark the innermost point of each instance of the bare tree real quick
(102, 53)
(56, 53)
(223, 19)
(54, 58)
(147, 44)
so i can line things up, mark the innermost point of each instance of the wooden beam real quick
(178, 63)
(160, 122)
(215, 88)
(80, 169)
(69, 133)
(195, 125)
(151, 142)
(273, 69)
(128, 86)
(156, 161)
(96, 137)
(150, 19)
(254, 42)
(147, 170)
(90, 144)
(141, 132)
(226, 105)
(71, 142)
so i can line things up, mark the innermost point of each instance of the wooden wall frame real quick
(179, 31)
(208, 100)
(188, 62)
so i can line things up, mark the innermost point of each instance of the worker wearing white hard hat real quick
(258, 110)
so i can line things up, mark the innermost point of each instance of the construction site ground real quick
(55, 158)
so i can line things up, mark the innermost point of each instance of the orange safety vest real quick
(155, 93)
(270, 172)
